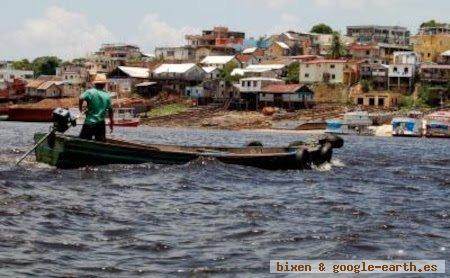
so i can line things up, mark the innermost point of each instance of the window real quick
(11, 76)
(360, 101)
(367, 52)
(372, 101)
(429, 54)
(333, 76)
(249, 83)
(395, 69)
(381, 102)
(243, 83)
(255, 84)
(307, 75)
(332, 66)
(406, 70)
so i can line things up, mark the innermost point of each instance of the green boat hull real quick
(67, 152)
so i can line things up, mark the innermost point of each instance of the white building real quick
(187, 71)
(219, 61)
(180, 53)
(211, 72)
(249, 89)
(8, 74)
(260, 70)
(323, 42)
(122, 79)
(255, 84)
(402, 72)
(327, 71)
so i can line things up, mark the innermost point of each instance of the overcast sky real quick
(73, 28)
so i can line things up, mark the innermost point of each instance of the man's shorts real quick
(98, 131)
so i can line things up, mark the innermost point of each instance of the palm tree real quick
(337, 48)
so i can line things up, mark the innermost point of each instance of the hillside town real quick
(221, 74)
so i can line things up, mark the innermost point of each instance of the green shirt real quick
(99, 103)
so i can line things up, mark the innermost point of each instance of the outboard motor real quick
(63, 120)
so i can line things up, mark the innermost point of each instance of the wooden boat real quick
(25, 114)
(66, 152)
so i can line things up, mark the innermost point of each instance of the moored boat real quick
(354, 123)
(409, 126)
(438, 124)
(65, 152)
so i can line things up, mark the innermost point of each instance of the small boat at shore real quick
(409, 126)
(68, 152)
(354, 123)
(438, 124)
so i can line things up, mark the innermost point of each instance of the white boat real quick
(438, 124)
(356, 123)
(409, 126)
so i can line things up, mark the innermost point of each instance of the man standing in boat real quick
(98, 105)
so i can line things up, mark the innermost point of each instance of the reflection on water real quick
(380, 198)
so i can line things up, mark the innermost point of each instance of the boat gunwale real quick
(156, 147)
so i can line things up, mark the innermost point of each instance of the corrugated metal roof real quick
(237, 71)
(446, 53)
(35, 83)
(435, 66)
(325, 61)
(146, 84)
(283, 45)
(262, 79)
(265, 67)
(46, 85)
(282, 88)
(136, 72)
(173, 68)
(249, 50)
(209, 69)
(243, 58)
(217, 60)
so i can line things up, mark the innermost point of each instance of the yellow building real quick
(431, 42)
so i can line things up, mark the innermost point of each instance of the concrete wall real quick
(310, 73)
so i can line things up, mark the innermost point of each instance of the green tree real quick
(79, 61)
(431, 94)
(366, 85)
(321, 28)
(293, 73)
(431, 23)
(23, 64)
(46, 65)
(337, 49)
(226, 72)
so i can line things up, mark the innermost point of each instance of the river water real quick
(381, 198)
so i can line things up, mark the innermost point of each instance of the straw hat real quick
(100, 78)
